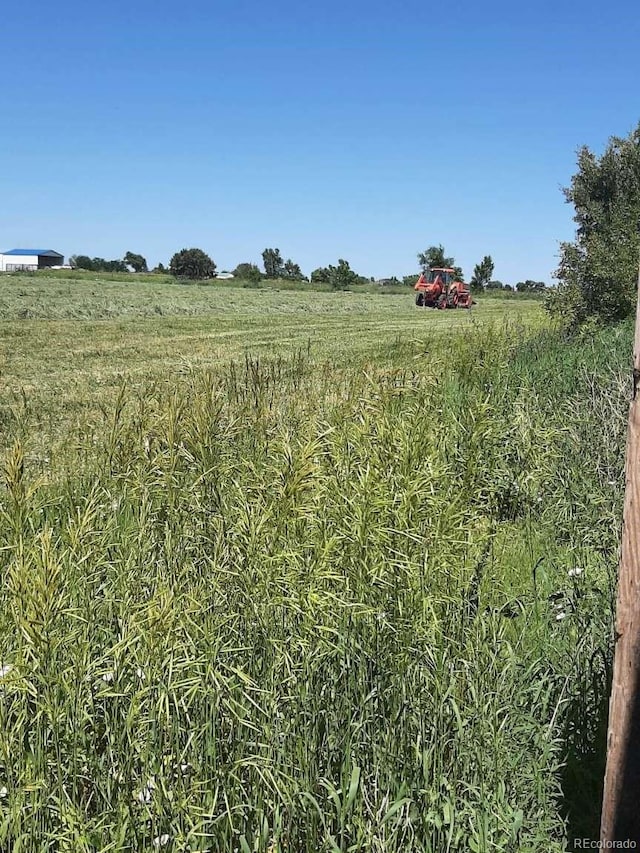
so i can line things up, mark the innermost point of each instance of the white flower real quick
(108, 677)
(5, 669)
(145, 795)
(575, 573)
(161, 840)
(3, 792)
(560, 616)
(185, 768)
(140, 674)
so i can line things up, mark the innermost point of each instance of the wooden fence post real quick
(621, 799)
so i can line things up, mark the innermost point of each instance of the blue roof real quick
(48, 252)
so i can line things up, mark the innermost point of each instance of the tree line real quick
(131, 260)
(195, 264)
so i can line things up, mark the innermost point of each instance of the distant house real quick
(225, 275)
(18, 260)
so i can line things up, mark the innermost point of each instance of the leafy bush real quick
(598, 270)
(192, 264)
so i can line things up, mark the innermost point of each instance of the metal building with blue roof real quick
(18, 260)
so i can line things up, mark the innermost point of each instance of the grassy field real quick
(68, 343)
(292, 572)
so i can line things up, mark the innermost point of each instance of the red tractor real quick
(438, 288)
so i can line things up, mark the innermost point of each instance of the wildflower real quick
(560, 616)
(575, 573)
(161, 840)
(145, 795)
(108, 677)
(5, 669)
(140, 674)
(3, 792)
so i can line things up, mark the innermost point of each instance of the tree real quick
(530, 286)
(495, 285)
(339, 277)
(320, 276)
(81, 262)
(342, 276)
(247, 272)
(482, 273)
(84, 262)
(109, 266)
(434, 257)
(292, 271)
(598, 270)
(273, 266)
(138, 262)
(193, 264)
(160, 268)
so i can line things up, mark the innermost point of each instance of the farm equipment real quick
(439, 288)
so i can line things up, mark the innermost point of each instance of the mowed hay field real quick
(288, 571)
(68, 343)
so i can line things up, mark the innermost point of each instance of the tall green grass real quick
(300, 607)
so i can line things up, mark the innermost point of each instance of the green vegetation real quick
(276, 268)
(482, 273)
(247, 272)
(434, 257)
(531, 287)
(156, 329)
(598, 271)
(340, 277)
(87, 264)
(137, 262)
(193, 264)
(83, 262)
(302, 571)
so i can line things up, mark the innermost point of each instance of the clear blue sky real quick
(362, 130)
